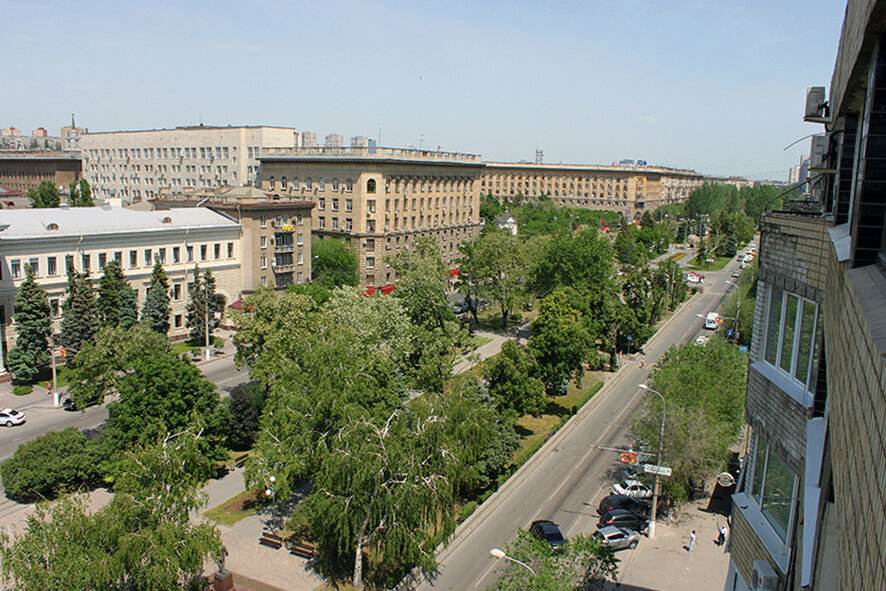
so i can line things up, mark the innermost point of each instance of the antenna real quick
(539, 155)
(421, 140)
(379, 134)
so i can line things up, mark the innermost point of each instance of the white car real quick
(10, 417)
(632, 488)
(702, 340)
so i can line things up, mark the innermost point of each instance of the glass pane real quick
(788, 330)
(807, 324)
(772, 324)
(778, 492)
(759, 469)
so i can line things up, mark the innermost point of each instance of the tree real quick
(469, 280)
(156, 309)
(80, 319)
(33, 327)
(45, 195)
(85, 195)
(59, 461)
(582, 260)
(334, 264)
(511, 381)
(502, 270)
(584, 565)
(204, 308)
(117, 302)
(560, 341)
(245, 406)
(143, 539)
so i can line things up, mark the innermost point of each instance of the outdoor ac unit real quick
(816, 104)
(764, 577)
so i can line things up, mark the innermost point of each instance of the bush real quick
(22, 389)
(56, 462)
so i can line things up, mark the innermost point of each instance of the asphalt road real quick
(568, 476)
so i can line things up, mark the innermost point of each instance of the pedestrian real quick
(721, 539)
(692, 541)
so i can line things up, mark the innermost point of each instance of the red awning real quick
(370, 290)
(238, 305)
(386, 289)
(455, 272)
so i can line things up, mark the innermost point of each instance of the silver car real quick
(617, 538)
(10, 417)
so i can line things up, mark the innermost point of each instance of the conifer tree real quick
(34, 326)
(117, 301)
(79, 314)
(156, 310)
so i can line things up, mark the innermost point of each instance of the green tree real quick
(560, 341)
(204, 308)
(334, 263)
(156, 309)
(85, 199)
(143, 539)
(582, 260)
(117, 302)
(584, 565)
(80, 319)
(469, 280)
(245, 406)
(45, 195)
(33, 327)
(59, 461)
(503, 268)
(512, 385)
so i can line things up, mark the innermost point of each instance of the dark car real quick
(632, 504)
(70, 405)
(549, 532)
(622, 518)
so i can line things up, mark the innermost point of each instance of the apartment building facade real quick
(20, 171)
(137, 165)
(628, 190)
(93, 236)
(381, 199)
(809, 513)
(275, 244)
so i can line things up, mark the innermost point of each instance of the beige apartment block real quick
(93, 236)
(628, 190)
(381, 199)
(137, 165)
(275, 243)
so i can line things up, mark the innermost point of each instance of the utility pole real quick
(657, 488)
(206, 315)
(55, 395)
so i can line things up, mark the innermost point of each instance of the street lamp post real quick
(498, 553)
(658, 463)
(737, 307)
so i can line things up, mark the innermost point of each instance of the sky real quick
(710, 85)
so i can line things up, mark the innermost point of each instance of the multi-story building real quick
(275, 243)
(20, 171)
(381, 199)
(335, 140)
(136, 165)
(628, 190)
(92, 236)
(809, 513)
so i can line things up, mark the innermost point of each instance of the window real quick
(162, 256)
(300, 258)
(263, 221)
(349, 186)
(264, 280)
(370, 262)
(133, 258)
(15, 267)
(190, 252)
(335, 223)
(299, 239)
(102, 260)
(370, 244)
(230, 250)
(349, 205)
(370, 205)
(774, 488)
(271, 183)
(308, 184)
(84, 259)
(217, 250)
(335, 205)
(264, 262)
(176, 291)
(349, 224)
(321, 222)
(263, 241)
(204, 252)
(176, 254)
(149, 257)
(321, 203)
(178, 320)
(792, 329)
(335, 184)
(283, 182)
(300, 277)
(53, 307)
(51, 266)
(370, 186)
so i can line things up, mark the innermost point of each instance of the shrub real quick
(56, 462)
(22, 389)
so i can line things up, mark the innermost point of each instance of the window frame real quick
(779, 355)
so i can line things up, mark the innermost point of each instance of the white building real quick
(93, 236)
(134, 165)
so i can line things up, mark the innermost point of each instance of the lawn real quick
(45, 375)
(718, 264)
(185, 346)
(677, 256)
(235, 509)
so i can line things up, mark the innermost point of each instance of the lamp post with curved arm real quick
(498, 553)
(658, 463)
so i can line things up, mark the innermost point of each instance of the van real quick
(712, 321)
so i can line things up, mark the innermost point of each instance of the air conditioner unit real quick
(816, 105)
(763, 577)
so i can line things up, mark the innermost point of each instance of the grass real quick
(718, 264)
(186, 346)
(479, 340)
(45, 375)
(235, 509)
(677, 256)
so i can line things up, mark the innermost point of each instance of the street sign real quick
(628, 457)
(629, 337)
(653, 469)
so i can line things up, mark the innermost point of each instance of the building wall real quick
(23, 171)
(137, 165)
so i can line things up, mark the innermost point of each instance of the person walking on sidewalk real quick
(721, 539)
(691, 541)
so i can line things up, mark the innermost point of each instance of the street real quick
(566, 478)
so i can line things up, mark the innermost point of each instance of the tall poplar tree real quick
(79, 314)
(203, 305)
(33, 327)
(117, 301)
(156, 310)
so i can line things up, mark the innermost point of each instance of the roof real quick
(505, 218)
(105, 219)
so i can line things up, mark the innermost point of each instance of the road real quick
(568, 476)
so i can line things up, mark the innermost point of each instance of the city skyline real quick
(690, 84)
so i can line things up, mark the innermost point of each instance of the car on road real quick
(735, 273)
(631, 504)
(70, 405)
(549, 532)
(623, 518)
(617, 538)
(632, 488)
(10, 417)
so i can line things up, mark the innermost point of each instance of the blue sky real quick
(715, 86)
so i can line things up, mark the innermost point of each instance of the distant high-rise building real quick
(335, 140)
(308, 139)
(358, 141)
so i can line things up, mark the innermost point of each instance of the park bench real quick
(301, 548)
(270, 540)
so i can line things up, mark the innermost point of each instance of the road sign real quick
(629, 337)
(628, 457)
(653, 469)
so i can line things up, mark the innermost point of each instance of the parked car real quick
(549, 532)
(10, 417)
(631, 504)
(632, 488)
(623, 518)
(617, 538)
(70, 405)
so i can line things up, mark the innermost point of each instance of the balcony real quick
(284, 247)
(282, 267)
